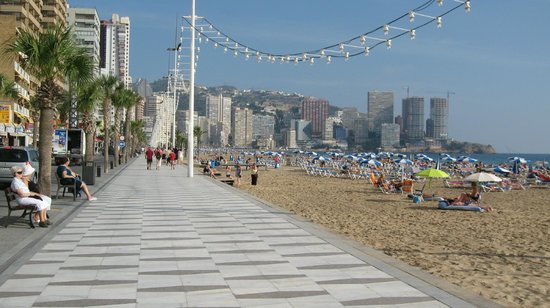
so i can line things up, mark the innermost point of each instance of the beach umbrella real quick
(351, 157)
(482, 177)
(448, 159)
(321, 158)
(404, 161)
(516, 159)
(374, 162)
(431, 174)
(467, 159)
(499, 169)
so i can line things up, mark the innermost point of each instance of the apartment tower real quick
(315, 111)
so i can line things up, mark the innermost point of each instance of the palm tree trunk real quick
(46, 133)
(89, 128)
(106, 139)
(128, 135)
(118, 115)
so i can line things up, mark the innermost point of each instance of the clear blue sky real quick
(495, 59)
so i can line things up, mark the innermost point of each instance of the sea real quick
(501, 157)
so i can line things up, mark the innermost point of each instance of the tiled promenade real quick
(160, 239)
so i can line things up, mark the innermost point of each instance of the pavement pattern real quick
(160, 239)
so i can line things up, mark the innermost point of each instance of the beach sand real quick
(503, 255)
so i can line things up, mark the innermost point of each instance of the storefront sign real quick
(5, 112)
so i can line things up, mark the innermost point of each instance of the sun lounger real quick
(444, 205)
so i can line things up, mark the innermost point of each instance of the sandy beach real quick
(503, 255)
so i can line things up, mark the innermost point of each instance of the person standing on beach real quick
(254, 174)
(158, 155)
(238, 171)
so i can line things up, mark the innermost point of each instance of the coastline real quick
(503, 255)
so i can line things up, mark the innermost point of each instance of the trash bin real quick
(88, 173)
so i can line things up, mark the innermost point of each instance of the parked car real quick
(17, 156)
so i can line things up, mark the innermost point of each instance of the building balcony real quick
(21, 72)
(22, 92)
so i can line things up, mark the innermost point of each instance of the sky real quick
(494, 61)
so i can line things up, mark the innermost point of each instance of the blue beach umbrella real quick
(374, 162)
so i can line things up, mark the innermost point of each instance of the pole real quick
(190, 137)
(175, 102)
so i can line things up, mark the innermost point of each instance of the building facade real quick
(389, 136)
(241, 127)
(413, 119)
(86, 25)
(439, 114)
(315, 111)
(115, 48)
(263, 126)
(380, 110)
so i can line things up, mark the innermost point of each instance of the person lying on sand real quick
(465, 200)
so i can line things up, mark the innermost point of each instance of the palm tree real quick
(107, 85)
(34, 108)
(51, 56)
(137, 130)
(198, 132)
(120, 97)
(181, 140)
(133, 99)
(88, 97)
(7, 88)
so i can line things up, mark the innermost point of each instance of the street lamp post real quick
(190, 137)
(174, 89)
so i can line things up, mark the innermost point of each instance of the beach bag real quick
(417, 199)
(157, 155)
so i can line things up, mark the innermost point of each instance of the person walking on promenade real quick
(26, 197)
(254, 174)
(158, 155)
(68, 176)
(149, 157)
(172, 157)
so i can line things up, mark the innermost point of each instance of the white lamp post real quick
(190, 137)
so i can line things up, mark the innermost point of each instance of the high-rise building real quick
(241, 127)
(182, 120)
(413, 119)
(289, 138)
(380, 110)
(389, 135)
(86, 24)
(115, 48)
(15, 17)
(360, 129)
(54, 12)
(263, 126)
(316, 111)
(439, 114)
(143, 88)
(218, 110)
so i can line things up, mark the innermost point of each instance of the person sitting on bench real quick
(68, 176)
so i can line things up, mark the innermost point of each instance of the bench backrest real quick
(10, 197)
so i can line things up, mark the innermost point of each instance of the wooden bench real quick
(13, 206)
(228, 181)
(65, 187)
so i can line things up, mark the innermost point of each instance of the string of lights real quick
(361, 44)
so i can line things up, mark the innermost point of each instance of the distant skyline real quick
(495, 59)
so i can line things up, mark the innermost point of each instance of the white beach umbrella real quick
(482, 177)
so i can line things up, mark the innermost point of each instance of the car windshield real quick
(13, 156)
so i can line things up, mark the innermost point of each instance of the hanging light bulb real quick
(322, 52)
(346, 56)
(440, 2)
(367, 51)
(388, 44)
(413, 34)
(246, 50)
(236, 45)
(210, 27)
(304, 56)
(200, 39)
(246, 57)
(257, 53)
(218, 34)
(311, 61)
(329, 58)
(235, 53)
(206, 39)
(225, 50)
(259, 58)
(272, 59)
(341, 47)
(412, 15)
(362, 39)
(282, 60)
(182, 28)
(386, 29)
(216, 45)
(467, 6)
(202, 29)
(227, 39)
(198, 50)
(438, 21)
(295, 61)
